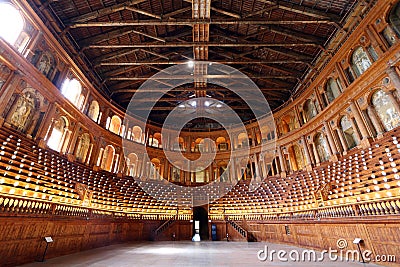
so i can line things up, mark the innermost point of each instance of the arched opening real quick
(115, 124)
(132, 164)
(200, 214)
(157, 137)
(94, 110)
(198, 145)
(296, 158)
(175, 172)
(360, 61)
(58, 133)
(243, 140)
(386, 110)
(154, 171)
(322, 147)
(221, 143)
(348, 132)
(11, 23)
(137, 134)
(108, 158)
(333, 89)
(72, 90)
(82, 147)
(310, 110)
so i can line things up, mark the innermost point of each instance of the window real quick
(309, 109)
(137, 134)
(332, 89)
(322, 147)
(82, 148)
(348, 132)
(132, 164)
(57, 136)
(94, 110)
(386, 110)
(72, 89)
(108, 158)
(360, 61)
(11, 23)
(115, 124)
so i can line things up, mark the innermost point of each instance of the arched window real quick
(309, 110)
(154, 171)
(132, 163)
(296, 158)
(72, 90)
(82, 148)
(108, 158)
(386, 110)
(333, 89)
(136, 134)
(360, 61)
(322, 147)
(58, 134)
(243, 140)
(115, 124)
(94, 110)
(348, 132)
(11, 23)
(221, 143)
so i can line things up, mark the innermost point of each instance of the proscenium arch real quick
(218, 74)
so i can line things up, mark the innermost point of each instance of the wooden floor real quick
(173, 254)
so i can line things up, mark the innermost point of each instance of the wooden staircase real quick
(164, 226)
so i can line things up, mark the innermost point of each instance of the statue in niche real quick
(44, 65)
(23, 109)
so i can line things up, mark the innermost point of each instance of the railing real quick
(164, 226)
(384, 207)
(238, 228)
(15, 206)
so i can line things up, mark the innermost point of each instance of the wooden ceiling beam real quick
(207, 76)
(189, 89)
(226, 12)
(301, 9)
(192, 22)
(104, 11)
(260, 12)
(114, 55)
(143, 12)
(115, 34)
(205, 44)
(169, 62)
(233, 54)
(176, 12)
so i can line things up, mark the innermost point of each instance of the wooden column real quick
(331, 141)
(282, 162)
(361, 125)
(375, 121)
(307, 153)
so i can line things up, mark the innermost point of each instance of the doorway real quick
(200, 214)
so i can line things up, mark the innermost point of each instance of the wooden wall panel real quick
(22, 239)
